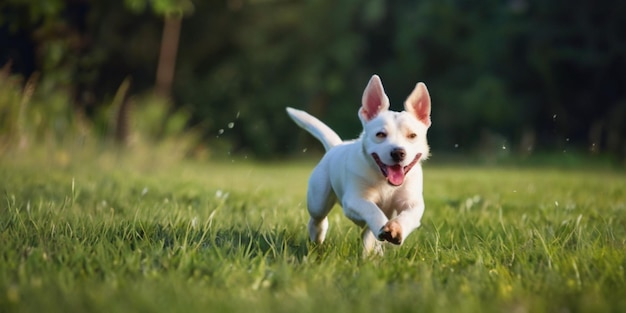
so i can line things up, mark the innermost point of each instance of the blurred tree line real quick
(515, 75)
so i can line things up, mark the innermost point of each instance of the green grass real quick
(134, 234)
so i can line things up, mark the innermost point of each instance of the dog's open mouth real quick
(395, 173)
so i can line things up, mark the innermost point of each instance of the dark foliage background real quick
(518, 76)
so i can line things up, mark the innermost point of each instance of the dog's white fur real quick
(366, 175)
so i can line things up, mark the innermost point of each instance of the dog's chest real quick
(389, 199)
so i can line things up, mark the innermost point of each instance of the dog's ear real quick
(374, 100)
(418, 103)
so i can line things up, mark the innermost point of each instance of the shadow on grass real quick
(239, 242)
(251, 243)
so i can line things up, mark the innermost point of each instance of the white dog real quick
(376, 178)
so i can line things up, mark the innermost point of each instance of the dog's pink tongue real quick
(395, 174)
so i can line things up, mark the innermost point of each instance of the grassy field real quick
(131, 234)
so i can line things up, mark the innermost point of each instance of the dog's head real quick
(395, 141)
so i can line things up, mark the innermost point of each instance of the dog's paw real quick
(392, 232)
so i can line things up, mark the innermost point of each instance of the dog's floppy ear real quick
(374, 100)
(418, 103)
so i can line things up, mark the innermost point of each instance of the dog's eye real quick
(412, 136)
(381, 135)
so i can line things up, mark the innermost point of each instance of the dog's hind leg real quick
(320, 200)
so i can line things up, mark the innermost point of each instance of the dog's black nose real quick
(398, 154)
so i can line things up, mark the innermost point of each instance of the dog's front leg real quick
(398, 228)
(364, 212)
(371, 244)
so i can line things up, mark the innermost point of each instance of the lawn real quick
(117, 233)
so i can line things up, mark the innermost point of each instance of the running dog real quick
(376, 178)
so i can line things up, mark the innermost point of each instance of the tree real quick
(172, 12)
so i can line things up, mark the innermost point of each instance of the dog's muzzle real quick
(395, 173)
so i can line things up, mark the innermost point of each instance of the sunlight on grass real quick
(117, 233)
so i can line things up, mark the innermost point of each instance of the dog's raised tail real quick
(315, 127)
